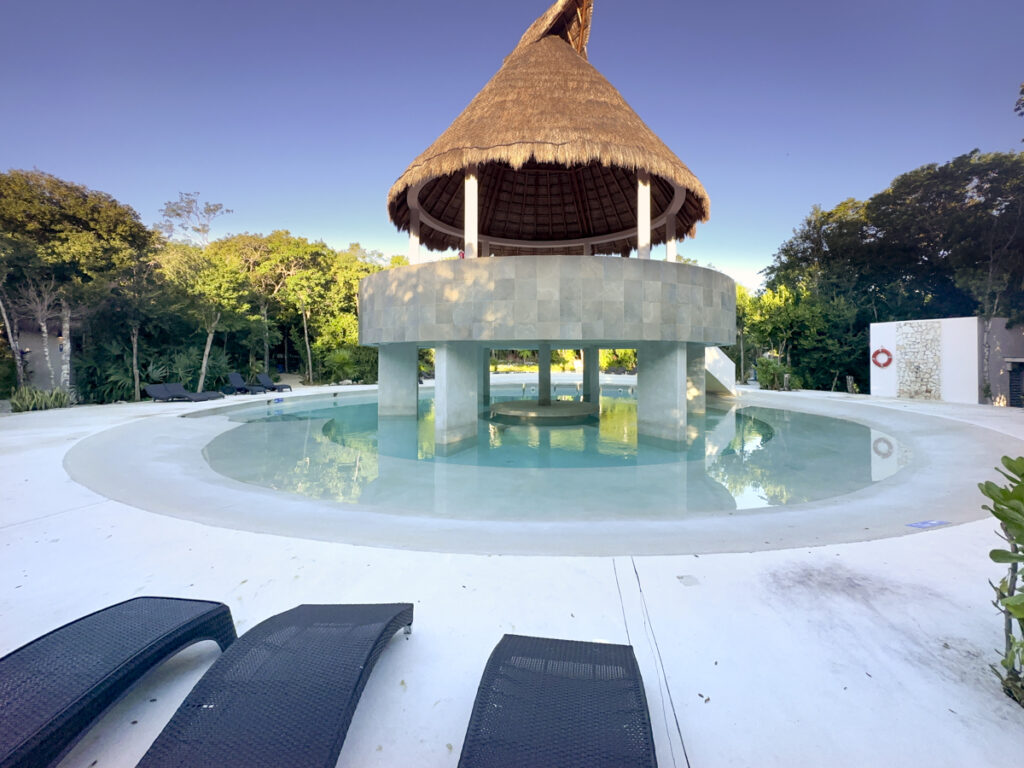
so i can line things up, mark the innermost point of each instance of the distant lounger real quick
(284, 694)
(54, 687)
(235, 380)
(544, 702)
(159, 392)
(267, 383)
(177, 391)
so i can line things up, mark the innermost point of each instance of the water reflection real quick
(735, 459)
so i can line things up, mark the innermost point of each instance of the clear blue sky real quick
(300, 115)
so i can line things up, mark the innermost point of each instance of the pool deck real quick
(871, 652)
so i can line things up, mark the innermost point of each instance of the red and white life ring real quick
(881, 357)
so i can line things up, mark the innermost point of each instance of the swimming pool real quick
(738, 459)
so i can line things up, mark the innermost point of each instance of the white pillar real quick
(671, 254)
(544, 374)
(591, 375)
(661, 392)
(397, 374)
(588, 249)
(414, 236)
(471, 219)
(455, 399)
(484, 382)
(696, 383)
(643, 215)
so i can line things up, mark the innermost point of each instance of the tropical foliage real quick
(1008, 508)
(942, 241)
(136, 305)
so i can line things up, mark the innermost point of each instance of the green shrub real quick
(618, 360)
(771, 374)
(32, 399)
(351, 362)
(8, 376)
(1008, 508)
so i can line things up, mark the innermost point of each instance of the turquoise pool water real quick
(737, 459)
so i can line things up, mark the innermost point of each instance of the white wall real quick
(961, 369)
(884, 382)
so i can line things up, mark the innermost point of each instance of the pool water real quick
(737, 459)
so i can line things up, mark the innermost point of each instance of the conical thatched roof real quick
(557, 149)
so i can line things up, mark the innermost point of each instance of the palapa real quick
(557, 149)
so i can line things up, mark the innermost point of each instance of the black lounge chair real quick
(54, 687)
(177, 391)
(285, 692)
(235, 380)
(159, 392)
(267, 383)
(545, 702)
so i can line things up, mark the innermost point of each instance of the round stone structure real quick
(566, 301)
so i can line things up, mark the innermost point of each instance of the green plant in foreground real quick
(32, 399)
(1008, 508)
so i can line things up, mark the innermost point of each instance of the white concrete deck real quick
(861, 653)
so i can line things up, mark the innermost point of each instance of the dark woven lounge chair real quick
(54, 687)
(235, 380)
(177, 391)
(544, 702)
(267, 383)
(159, 392)
(284, 693)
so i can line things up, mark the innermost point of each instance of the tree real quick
(68, 237)
(216, 290)
(188, 219)
(1019, 106)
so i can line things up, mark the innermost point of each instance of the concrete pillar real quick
(471, 218)
(485, 249)
(696, 386)
(484, 382)
(544, 374)
(643, 215)
(661, 392)
(414, 236)
(398, 377)
(455, 400)
(588, 249)
(591, 375)
(671, 254)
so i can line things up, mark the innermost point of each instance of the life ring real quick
(882, 447)
(881, 357)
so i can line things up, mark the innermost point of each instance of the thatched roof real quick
(557, 148)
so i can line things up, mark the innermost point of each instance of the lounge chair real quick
(235, 380)
(177, 391)
(267, 383)
(54, 687)
(545, 702)
(159, 392)
(285, 692)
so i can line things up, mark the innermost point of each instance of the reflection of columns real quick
(661, 391)
(414, 236)
(397, 370)
(455, 399)
(484, 381)
(670, 238)
(643, 215)
(591, 375)
(696, 389)
(544, 374)
(471, 227)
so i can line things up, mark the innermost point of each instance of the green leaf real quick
(1015, 605)
(1003, 556)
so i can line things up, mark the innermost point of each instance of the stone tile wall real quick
(557, 298)
(918, 359)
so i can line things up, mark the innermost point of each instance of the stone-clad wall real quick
(560, 298)
(918, 359)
